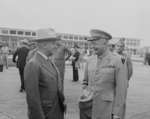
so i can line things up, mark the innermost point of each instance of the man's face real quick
(51, 47)
(33, 46)
(99, 46)
(119, 48)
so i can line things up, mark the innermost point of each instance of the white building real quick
(13, 36)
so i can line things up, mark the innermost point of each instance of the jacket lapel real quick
(58, 75)
(45, 64)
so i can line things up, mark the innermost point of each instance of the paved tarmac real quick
(13, 103)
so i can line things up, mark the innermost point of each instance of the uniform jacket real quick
(76, 55)
(1, 57)
(22, 53)
(43, 88)
(108, 82)
(129, 64)
(60, 57)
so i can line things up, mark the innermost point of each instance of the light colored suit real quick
(108, 82)
(44, 89)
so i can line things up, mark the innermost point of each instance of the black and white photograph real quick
(74, 59)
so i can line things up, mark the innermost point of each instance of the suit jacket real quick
(43, 89)
(76, 56)
(22, 55)
(108, 82)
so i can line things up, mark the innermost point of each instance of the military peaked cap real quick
(97, 34)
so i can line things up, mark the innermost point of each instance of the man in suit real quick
(22, 53)
(32, 50)
(75, 66)
(120, 45)
(62, 54)
(43, 84)
(105, 82)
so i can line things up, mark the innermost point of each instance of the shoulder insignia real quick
(123, 60)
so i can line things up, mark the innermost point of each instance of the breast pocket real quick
(109, 71)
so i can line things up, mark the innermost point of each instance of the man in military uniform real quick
(119, 49)
(75, 63)
(62, 54)
(105, 82)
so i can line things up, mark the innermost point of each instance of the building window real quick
(76, 37)
(59, 36)
(4, 31)
(85, 38)
(28, 33)
(134, 44)
(70, 37)
(13, 39)
(20, 32)
(80, 44)
(131, 43)
(12, 32)
(81, 38)
(65, 37)
(70, 43)
(33, 34)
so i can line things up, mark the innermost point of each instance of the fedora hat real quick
(46, 35)
(24, 41)
(98, 34)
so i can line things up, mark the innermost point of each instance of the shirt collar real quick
(102, 56)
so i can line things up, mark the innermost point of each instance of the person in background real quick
(75, 58)
(82, 57)
(62, 54)
(21, 53)
(43, 84)
(120, 45)
(5, 50)
(105, 81)
(1, 57)
(32, 50)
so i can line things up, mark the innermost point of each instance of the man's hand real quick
(116, 117)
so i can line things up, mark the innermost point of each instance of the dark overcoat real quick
(44, 89)
(22, 53)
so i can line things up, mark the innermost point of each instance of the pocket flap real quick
(108, 97)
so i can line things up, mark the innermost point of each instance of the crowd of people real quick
(41, 65)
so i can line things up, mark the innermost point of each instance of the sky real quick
(120, 18)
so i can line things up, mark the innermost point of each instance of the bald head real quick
(120, 47)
